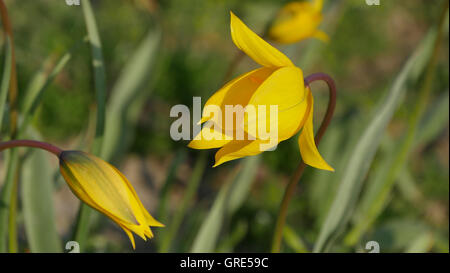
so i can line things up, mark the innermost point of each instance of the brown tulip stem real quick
(290, 189)
(30, 143)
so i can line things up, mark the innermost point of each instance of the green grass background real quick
(368, 47)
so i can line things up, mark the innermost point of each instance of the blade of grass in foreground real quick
(37, 203)
(294, 241)
(376, 196)
(168, 183)
(12, 163)
(422, 244)
(169, 234)
(82, 225)
(364, 152)
(431, 126)
(125, 92)
(32, 101)
(36, 89)
(231, 196)
(387, 175)
(7, 196)
(399, 234)
(5, 81)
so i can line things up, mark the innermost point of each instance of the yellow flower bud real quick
(297, 21)
(106, 189)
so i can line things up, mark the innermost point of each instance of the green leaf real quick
(5, 80)
(168, 235)
(336, 148)
(434, 121)
(234, 237)
(375, 198)
(365, 149)
(11, 163)
(399, 234)
(36, 89)
(395, 162)
(422, 244)
(37, 203)
(231, 196)
(127, 91)
(167, 185)
(98, 66)
(294, 241)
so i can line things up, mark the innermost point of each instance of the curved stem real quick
(30, 143)
(290, 189)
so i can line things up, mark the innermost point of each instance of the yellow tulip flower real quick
(278, 82)
(106, 189)
(297, 21)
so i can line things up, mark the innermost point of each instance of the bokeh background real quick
(185, 49)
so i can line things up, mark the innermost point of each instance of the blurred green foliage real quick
(368, 47)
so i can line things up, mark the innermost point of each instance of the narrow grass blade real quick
(5, 80)
(421, 244)
(37, 203)
(98, 66)
(194, 181)
(396, 161)
(168, 183)
(434, 121)
(231, 196)
(11, 164)
(294, 241)
(233, 237)
(32, 100)
(37, 88)
(364, 152)
(125, 92)
(374, 199)
(399, 235)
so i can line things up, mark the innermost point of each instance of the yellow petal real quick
(307, 145)
(103, 187)
(101, 183)
(236, 93)
(150, 220)
(284, 89)
(130, 235)
(317, 5)
(255, 47)
(82, 195)
(238, 149)
(218, 139)
(321, 36)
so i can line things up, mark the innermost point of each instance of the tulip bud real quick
(106, 189)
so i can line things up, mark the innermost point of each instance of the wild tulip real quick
(278, 82)
(101, 186)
